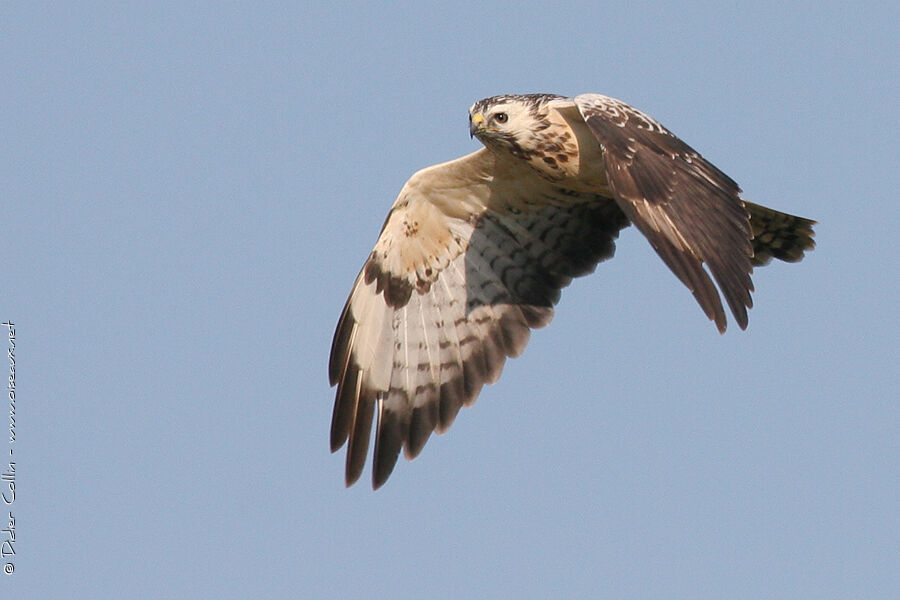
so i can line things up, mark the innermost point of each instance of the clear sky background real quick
(188, 191)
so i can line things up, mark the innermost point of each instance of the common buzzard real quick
(474, 253)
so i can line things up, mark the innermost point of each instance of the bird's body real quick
(474, 252)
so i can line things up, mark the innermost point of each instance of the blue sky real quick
(188, 191)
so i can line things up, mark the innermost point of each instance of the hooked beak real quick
(476, 124)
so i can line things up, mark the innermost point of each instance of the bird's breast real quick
(567, 154)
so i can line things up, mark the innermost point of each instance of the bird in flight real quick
(474, 252)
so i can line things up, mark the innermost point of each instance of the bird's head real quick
(509, 122)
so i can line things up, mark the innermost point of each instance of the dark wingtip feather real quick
(721, 323)
(423, 421)
(453, 396)
(345, 405)
(340, 345)
(359, 438)
(390, 433)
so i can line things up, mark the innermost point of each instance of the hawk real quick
(474, 252)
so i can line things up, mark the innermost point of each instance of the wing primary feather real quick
(359, 436)
(345, 406)
(392, 422)
(340, 345)
(690, 271)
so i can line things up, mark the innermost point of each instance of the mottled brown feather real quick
(689, 210)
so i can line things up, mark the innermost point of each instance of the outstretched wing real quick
(691, 212)
(468, 261)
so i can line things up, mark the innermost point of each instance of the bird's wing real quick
(471, 256)
(690, 211)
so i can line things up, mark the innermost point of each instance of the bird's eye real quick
(501, 118)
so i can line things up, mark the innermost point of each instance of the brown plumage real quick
(474, 253)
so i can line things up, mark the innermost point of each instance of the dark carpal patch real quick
(395, 289)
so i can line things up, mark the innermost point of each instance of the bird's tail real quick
(779, 235)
